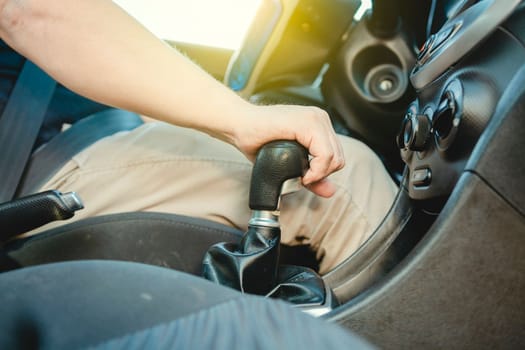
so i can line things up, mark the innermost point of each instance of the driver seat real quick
(168, 240)
(123, 305)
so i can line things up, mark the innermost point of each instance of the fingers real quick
(323, 188)
(310, 126)
(326, 152)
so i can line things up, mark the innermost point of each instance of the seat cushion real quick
(169, 240)
(114, 305)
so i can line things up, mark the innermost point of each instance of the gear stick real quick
(252, 265)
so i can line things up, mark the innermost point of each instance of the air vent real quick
(446, 121)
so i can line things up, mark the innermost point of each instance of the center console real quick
(460, 75)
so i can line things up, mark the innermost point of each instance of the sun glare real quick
(218, 23)
(365, 6)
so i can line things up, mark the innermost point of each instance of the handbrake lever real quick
(27, 213)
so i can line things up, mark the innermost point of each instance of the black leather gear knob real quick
(275, 163)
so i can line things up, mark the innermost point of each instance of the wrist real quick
(231, 123)
(242, 125)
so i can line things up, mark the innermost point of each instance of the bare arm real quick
(96, 49)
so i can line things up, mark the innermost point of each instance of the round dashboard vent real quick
(446, 121)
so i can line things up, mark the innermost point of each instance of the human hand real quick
(310, 126)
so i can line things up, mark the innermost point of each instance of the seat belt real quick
(20, 123)
(46, 161)
(22, 173)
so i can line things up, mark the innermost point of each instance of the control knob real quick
(415, 132)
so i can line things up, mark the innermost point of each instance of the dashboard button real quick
(425, 49)
(435, 41)
(443, 35)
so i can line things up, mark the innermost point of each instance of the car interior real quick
(437, 89)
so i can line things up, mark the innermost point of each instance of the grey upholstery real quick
(123, 305)
(169, 240)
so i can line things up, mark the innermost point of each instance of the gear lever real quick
(252, 265)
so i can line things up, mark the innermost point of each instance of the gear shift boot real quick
(304, 288)
(249, 266)
(298, 285)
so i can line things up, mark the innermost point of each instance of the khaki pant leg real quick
(335, 227)
(159, 167)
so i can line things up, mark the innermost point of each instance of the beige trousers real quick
(159, 167)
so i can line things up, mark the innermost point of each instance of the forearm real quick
(96, 49)
(116, 61)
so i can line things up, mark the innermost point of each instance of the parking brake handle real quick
(26, 213)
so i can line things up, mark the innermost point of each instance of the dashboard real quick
(451, 85)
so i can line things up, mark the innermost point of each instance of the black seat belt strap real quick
(20, 123)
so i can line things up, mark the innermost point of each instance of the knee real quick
(359, 158)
